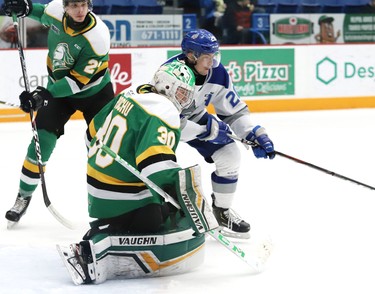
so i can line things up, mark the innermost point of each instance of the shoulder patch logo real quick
(55, 29)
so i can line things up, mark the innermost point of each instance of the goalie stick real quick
(253, 144)
(38, 153)
(257, 262)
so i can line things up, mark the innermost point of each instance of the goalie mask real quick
(176, 81)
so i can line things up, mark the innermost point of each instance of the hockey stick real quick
(9, 104)
(250, 143)
(256, 262)
(38, 153)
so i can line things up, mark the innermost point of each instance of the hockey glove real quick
(264, 147)
(216, 132)
(21, 8)
(35, 99)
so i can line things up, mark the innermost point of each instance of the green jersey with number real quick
(144, 130)
(77, 61)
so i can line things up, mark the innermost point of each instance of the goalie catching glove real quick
(35, 99)
(21, 8)
(264, 146)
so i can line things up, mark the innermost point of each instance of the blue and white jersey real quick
(219, 91)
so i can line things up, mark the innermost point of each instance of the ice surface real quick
(322, 226)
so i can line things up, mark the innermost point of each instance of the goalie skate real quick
(80, 271)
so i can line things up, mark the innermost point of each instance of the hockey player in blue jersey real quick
(200, 51)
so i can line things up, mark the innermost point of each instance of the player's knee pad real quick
(227, 161)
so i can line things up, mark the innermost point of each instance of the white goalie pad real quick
(192, 201)
(133, 256)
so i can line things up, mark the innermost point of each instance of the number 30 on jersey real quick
(115, 129)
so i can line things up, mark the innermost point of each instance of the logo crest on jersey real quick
(208, 98)
(62, 59)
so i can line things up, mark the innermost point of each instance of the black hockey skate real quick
(17, 211)
(78, 260)
(230, 223)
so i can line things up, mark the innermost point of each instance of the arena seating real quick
(269, 6)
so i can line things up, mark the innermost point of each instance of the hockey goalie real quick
(136, 232)
(109, 253)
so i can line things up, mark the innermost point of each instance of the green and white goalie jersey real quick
(144, 130)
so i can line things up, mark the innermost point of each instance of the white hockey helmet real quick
(176, 81)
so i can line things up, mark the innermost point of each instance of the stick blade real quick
(67, 223)
(255, 258)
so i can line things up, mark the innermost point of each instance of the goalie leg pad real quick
(193, 203)
(126, 256)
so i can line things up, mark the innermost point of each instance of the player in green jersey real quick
(78, 80)
(137, 233)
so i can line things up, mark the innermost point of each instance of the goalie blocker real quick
(178, 248)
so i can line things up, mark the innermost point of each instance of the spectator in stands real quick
(36, 34)
(8, 35)
(237, 21)
(212, 18)
(370, 7)
(190, 6)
